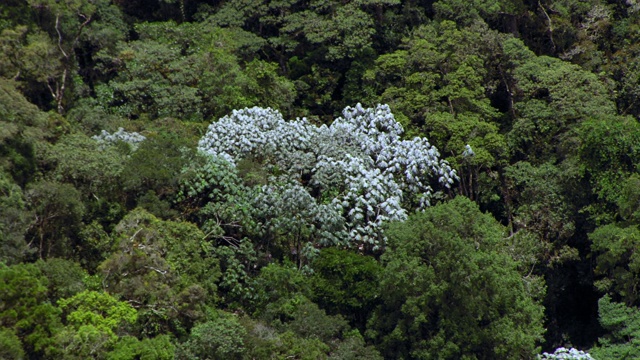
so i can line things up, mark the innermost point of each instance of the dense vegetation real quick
(216, 180)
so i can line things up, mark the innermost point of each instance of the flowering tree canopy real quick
(358, 167)
(132, 138)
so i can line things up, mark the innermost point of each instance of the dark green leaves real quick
(449, 290)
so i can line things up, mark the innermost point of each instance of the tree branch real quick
(64, 53)
(550, 31)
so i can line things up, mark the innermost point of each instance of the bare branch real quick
(550, 30)
(87, 20)
(161, 272)
(64, 53)
(136, 234)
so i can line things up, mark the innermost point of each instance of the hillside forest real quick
(319, 179)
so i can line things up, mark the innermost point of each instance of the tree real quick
(277, 284)
(66, 20)
(436, 84)
(538, 205)
(629, 201)
(81, 161)
(467, 12)
(609, 156)
(344, 30)
(346, 283)
(221, 338)
(93, 321)
(189, 72)
(165, 269)
(314, 43)
(623, 326)
(549, 104)
(10, 346)
(130, 348)
(22, 126)
(65, 278)
(37, 62)
(450, 291)
(358, 168)
(617, 260)
(26, 310)
(353, 347)
(58, 211)
(14, 221)
(155, 166)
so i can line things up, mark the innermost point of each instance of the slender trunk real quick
(471, 192)
(550, 27)
(59, 88)
(41, 243)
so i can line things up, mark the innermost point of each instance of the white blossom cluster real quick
(370, 199)
(371, 173)
(132, 138)
(258, 132)
(564, 353)
(377, 134)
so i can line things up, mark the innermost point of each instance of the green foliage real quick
(265, 342)
(609, 153)
(14, 220)
(213, 185)
(279, 283)
(93, 321)
(466, 12)
(97, 309)
(624, 72)
(344, 30)
(21, 125)
(353, 347)
(449, 291)
(237, 263)
(540, 207)
(310, 322)
(65, 278)
(441, 71)
(553, 96)
(617, 260)
(188, 72)
(51, 52)
(165, 268)
(17, 110)
(10, 346)
(25, 309)
(58, 209)
(623, 331)
(346, 283)
(130, 348)
(155, 165)
(437, 83)
(213, 192)
(36, 59)
(629, 200)
(221, 338)
(314, 43)
(96, 244)
(544, 92)
(288, 345)
(82, 162)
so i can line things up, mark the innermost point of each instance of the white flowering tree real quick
(133, 139)
(342, 181)
(565, 354)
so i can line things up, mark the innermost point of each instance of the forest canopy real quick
(319, 179)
